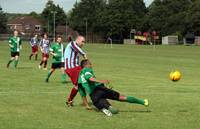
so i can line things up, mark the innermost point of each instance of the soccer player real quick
(34, 46)
(44, 47)
(87, 83)
(15, 46)
(57, 51)
(69, 38)
(72, 66)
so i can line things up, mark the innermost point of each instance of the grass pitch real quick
(27, 102)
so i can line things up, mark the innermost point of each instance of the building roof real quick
(25, 20)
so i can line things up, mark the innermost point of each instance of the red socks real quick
(73, 93)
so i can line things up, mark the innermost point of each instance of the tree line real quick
(116, 18)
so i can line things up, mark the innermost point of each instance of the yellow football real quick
(175, 76)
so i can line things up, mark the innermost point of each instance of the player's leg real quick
(31, 53)
(45, 62)
(131, 99)
(50, 72)
(36, 55)
(10, 61)
(73, 93)
(100, 102)
(42, 61)
(36, 52)
(63, 76)
(114, 95)
(16, 60)
(73, 74)
(30, 56)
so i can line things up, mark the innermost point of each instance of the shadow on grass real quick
(137, 111)
(24, 67)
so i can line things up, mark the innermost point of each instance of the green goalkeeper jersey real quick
(86, 85)
(57, 49)
(16, 43)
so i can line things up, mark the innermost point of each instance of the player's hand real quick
(11, 46)
(54, 54)
(105, 81)
(85, 57)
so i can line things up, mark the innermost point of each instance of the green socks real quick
(15, 63)
(131, 99)
(10, 61)
(112, 110)
(63, 78)
(49, 74)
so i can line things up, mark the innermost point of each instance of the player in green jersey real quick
(15, 46)
(56, 50)
(99, 93)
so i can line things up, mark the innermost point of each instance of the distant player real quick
(34, 46)
(44, 47)
(69, 38)
(15, 46)
(57, 51)
(72, 66)
(87, 83)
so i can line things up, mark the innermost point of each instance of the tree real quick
(35, 15)
(115, 18)
(168, 16)
(121, 16)
(3, 21)
(86, 11)
(48, 15)
(193, 18)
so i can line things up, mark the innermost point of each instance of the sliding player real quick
(87, 83)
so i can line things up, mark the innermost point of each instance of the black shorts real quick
(57, 65)
(100, 94)
(13, 54)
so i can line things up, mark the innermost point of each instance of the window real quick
(37, 27)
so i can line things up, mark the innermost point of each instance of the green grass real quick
(27, 102)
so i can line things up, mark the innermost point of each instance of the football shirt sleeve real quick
(88, 75)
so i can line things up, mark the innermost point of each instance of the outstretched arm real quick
(92, 79)
(78, 49)
(86, 103)
(83, 94)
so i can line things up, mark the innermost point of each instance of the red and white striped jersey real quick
(71, 55)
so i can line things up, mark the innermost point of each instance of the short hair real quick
(44, 34)
(69, 38)
(58, 36)
(84, 62)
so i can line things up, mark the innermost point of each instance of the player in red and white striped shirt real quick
(72, 67)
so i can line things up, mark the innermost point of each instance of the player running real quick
(87, 83)
(34, 46)
(44, 47)
(72, 66)
(57, 51)
(15, 46)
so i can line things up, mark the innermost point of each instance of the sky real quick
(27, 6)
